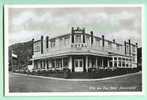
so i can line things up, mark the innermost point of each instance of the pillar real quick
(55, 64)
(70, 63)
(121, 62)
(86, 63)
(117, 62)
(33, 63)
(102, 62)
(112, 62)
(39, 64)
(62, 62)
(46, 64)
(108, 63)
(49, 64)
(96, 63)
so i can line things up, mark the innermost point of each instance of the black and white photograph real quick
(73, 49)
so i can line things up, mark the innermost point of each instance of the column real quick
(121, 60)
(39, 64)
(70, 63)
(33, 63)
(87, 63)
(102, 62)
(49, 64)
(112, 62)
(117, 62)
(125, 62)
(55, 64)
(45, 64)
(62, 63)
(108, 63)
(96, 62)
(90, 63)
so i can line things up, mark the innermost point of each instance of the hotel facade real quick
(79, 51)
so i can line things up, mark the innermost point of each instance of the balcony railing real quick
(82, 47)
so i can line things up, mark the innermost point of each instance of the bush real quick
(66, 70)
(92, 70)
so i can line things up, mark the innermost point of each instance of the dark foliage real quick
(24, 53)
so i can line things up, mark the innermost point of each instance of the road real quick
(21, 83)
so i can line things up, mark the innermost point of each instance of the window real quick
(52, 43)
(109, 44)
(97, 42)
(37, 46)
(127, 49)
(37, 49)
(81, 63)
(117, 47)
(61, 41)
(133, 58)
(78, 38)
(115, 63)
(58, 63)
(66, 41)
(76, 63)
(133, 48)
(65, 62)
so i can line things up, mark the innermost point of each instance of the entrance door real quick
(78, 63)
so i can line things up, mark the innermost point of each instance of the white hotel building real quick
(80, 51)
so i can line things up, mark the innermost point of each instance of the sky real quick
(119, 23)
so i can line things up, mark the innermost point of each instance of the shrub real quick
(92, 70)
(66, 70)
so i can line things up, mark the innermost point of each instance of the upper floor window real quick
(52, 43)
(87, 39)
(133, 48)
(37, 49)
(37, 46)
(109, 44)
(66, 40)
(127, 49)
(97, 41)
(117, 47)
(78, 38)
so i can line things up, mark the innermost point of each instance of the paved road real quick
(21, 83)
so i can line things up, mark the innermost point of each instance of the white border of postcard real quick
(7, 93)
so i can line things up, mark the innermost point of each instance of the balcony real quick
(77, 49)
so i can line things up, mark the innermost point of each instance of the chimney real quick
(83, 35)
(41, 44)
(33, 46)
(103, 40)
(47, 41)
(136, 44)
(113, 40)
(125, 47)
(91, 37)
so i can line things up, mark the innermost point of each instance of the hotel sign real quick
(79, 45)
